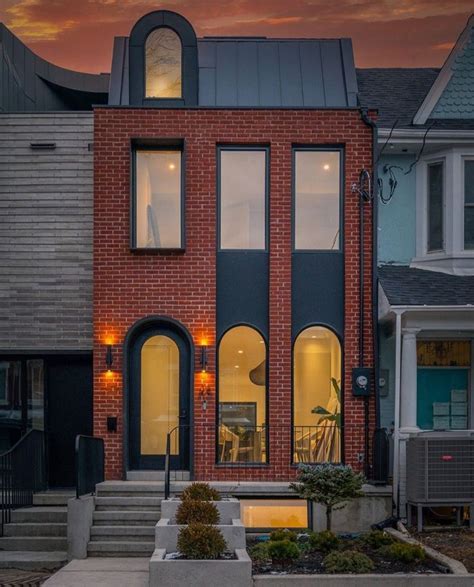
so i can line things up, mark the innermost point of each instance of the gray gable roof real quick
(405, 286)
(260, 72)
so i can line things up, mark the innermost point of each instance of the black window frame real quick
(324, 149)
(429, 248)
(239, 148)
(137, 145)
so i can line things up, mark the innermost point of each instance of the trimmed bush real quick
(283, 552)
(201, 542)
(376, 539)
(277, 535)
(406, 553)
(348, 561)
(324, 541)
(192, 511)
(259, 552)
(200, 492)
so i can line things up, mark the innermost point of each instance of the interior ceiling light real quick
(172, 166)
(240, 351)
(326, 167)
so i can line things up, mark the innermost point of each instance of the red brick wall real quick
(130, 286)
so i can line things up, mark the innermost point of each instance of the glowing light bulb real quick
(326, 167)
(172, 166)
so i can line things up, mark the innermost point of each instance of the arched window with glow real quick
(317, 396)
(163, 64)
(242, 396)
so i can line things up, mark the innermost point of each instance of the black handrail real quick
(90, 464)
(168, 456)
(22, 472)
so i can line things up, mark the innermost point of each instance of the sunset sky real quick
(78, 34)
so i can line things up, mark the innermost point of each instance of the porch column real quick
(408, 391)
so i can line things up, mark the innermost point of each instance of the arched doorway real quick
(159, 394)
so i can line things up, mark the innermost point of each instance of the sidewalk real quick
(102, 572)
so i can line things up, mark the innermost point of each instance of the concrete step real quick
(28, 529)
(157, 476)
(115, 548)
(52, 514)
(32, 561)
(130, 489)
(128, 503)
(122, 533)
(28, 543)
(124, 518)
(53, 498)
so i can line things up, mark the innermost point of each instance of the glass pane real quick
(469, 182)
(317, 403)
(10, 403)
(35, 393)
(242, 199)
(159, 394)
(443, 353)
(163, 64)
(435, 207)
(469, 204)
(317, 195)
(469, 227)
(158, 199)
(274, 513)
(242, 396)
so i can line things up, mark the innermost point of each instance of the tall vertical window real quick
(317, 179)
(242, 397)
(435, 206)
(158, 200)
(163, 69)
(317, 396)
(242, 194)
(469, 204)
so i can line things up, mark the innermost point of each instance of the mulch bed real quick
(458, 544)
(17, 578)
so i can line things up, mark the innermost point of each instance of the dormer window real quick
(163, 64)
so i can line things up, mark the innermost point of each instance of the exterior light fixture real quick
(203, 358)
(109, 359)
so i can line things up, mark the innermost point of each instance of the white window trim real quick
(453, 258)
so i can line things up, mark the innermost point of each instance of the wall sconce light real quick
(109, 359)
(204, 359)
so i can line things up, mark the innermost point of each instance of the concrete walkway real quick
(102, 572)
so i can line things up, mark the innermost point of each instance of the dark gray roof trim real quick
(405, 286)
(256, 72)
(29, 83)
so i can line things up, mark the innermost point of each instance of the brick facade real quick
(129, 286)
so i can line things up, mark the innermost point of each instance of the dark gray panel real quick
(312, 73)
(226, 74)
(242, 290)
(118, 71)
(317, 284)
(207, 87)
(290, 74)
(269, 74)
(349, 72)
(247, 74)
(30, 75)
(207, 54)
(333, 74)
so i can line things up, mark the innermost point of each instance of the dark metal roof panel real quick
(247, 74)
(268, 74)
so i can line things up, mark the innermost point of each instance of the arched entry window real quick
(242, 408)
(317, 396)
(163, 64)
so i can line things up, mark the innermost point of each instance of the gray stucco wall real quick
(46, 201)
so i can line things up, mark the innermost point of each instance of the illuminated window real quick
(274, 513)
(163, 56)
(317, 396)
(242, 397)
(317, 200)
(158, 199)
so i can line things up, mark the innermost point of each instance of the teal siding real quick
(397, 219)
(457, 100)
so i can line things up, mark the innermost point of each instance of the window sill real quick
(459, 263)
(242, 465)
(150, 251)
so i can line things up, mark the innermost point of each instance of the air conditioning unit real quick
(440, 468)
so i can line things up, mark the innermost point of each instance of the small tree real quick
(330, 485)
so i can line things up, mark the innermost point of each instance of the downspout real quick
(396, 422)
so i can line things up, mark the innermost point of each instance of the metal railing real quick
(173, 433)
(22, 472)
(90, 464)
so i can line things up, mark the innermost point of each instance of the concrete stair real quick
(36, 537)
(124, 519)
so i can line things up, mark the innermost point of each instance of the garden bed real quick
(455, 543)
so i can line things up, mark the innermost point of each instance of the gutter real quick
(415, 135)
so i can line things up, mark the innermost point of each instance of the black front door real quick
(159, 399)
(69, 412)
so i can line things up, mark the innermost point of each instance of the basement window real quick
(265, 514)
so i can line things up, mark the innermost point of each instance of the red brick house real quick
(229, 309)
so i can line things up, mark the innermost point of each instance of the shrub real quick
(348, 561)
(324, 541)
(283, 552)
(192, 511)
(376, 539)
(259, 552)
(329, 485)
(200, 492)
(201, 542)
(278, 535)
(406, 553)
